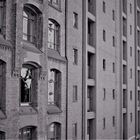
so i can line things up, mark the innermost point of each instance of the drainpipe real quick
(66, 8)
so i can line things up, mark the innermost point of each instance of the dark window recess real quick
(29, 85)
(32, 25)
(104, 64)
(104, 35)
(75, 93)
(54, 88)
(28, 133)
(75, 56)
(53, 35)
(2, 85)
(2, 135)
(75, 20)
(104, 7)
(74, 131)
(54, 131)
(3, 17)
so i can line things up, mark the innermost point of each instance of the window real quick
(91, 32)
(113, 67)
(124, 27)
(104, 7)
(32, 25)
(53, 35)
(104, 35)
(29, 84)
(113, 41)
(91, 6)
(75, 56)
(74, 131)
(2, 85)
(90, 128)
(90, 65)
(75, 92)
(130, 8)
(113, 15)
(131, 95)
(75, 20)
(3, 17)
(104, 123)
(2, 135)
(104, 93)
(130, 29)
(104, 64)
(131, 51)
(113, 121)
(28, 133)
(131, 73)
(113, 94)
(54, 88)
(54, 131)
(131, 117)
(55, 3)
(89, 98)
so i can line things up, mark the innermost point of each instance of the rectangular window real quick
(104, 64)
(3, 17)
(75, 20)
(104, 123)
(104, 35)
(113, 67)
(130, 73)
(89, 98)
(131, 95)
(74, 131)
(113, 94)
(113, 121)
(124, 27)
(131, 51)
(131, 117)
(113, 15)
(75, 90)
(2, 135)
(91, 32)
(91, 6)
(90, 64)
(130, 8)
(75, 56)
(104, 7)
(113, 41)
(104, 93)
(130, 29)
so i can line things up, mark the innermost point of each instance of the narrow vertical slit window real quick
(3, 17)
(75, 20)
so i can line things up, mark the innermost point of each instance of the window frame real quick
(55, 43)
(75, 20)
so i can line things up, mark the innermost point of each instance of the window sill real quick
(30, 47)
(27, 109)
(58, 9)
(54, 54)
(53, 109)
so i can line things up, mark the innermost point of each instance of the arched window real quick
(2, 84)
(2, 17)
(28, 133)
(2, 135)
(53, 35)
(54, 87)
(29, 85)
(54, 131)
(32, 25)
